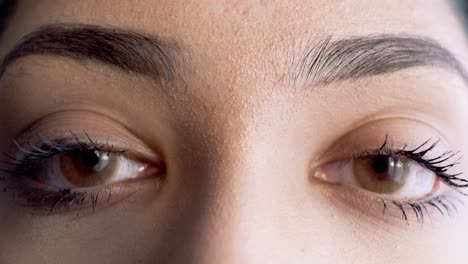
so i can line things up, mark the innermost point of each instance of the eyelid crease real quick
(369, 134)
(99, 126)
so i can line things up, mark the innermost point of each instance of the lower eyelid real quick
(366, 207)
(78, 202)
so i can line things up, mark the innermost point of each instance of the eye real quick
(392, 176)
(75, 163)
(74, 169)
(88, 168)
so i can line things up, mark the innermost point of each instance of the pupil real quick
(90, 159)
(380, 164)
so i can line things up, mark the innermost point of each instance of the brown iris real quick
(381, 173)
(88, 168)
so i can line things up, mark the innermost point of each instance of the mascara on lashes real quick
(32, 156)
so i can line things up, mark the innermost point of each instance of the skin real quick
(240, 143)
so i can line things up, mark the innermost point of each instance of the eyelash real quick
(441, 203)
(417, 154)
(49, 148)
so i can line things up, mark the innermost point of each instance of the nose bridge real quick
(240, 195)
(240, 211)
(239, 175)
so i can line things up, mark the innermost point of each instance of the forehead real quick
(230, 23)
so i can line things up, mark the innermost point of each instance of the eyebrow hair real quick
(334, 60)
(128, 51)
(328, 60)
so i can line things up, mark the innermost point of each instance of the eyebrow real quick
(334, 60)
(129, 51)
(328, 60)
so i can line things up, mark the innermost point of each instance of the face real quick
(234, 131)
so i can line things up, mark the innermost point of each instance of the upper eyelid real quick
(439, 164)
(86, 126)
(31, 154)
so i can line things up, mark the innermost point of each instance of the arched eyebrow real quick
(126, 50)
(332, 60)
